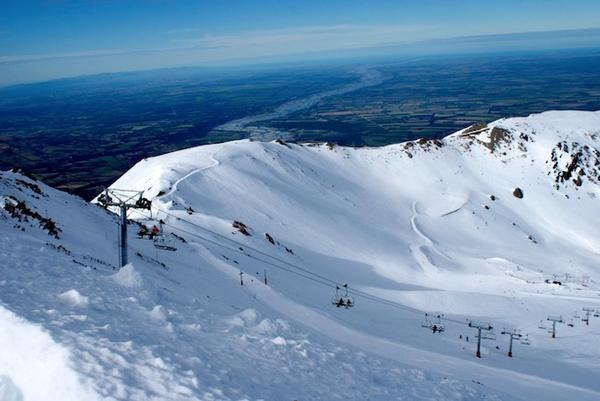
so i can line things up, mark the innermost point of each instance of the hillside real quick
(475, 226)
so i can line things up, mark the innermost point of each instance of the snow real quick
(127, 276)
(33, 366)
(8, 390)
(414, 223)
(74, 298)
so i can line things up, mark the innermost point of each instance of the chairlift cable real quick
(306, 273)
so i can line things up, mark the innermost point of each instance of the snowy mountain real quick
(494, 224)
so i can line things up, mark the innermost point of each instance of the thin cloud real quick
(91, 53)
(292, 39)
(340, 34)
(265, 46)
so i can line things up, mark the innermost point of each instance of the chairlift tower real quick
(123, 199)
(480, 327)
(512, 334)
(554, 320)
(588, 312)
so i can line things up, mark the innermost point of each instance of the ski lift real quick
(148, 233)
(571, 324)
(525, 340)
(576, 315)
(435, 326)
(104, 199)
(143, 203)
(163, 242)
(542, 325)
(143, 231)
(342, 300)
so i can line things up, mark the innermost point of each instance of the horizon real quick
(43, 40)
(344, 57)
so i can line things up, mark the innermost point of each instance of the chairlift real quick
(143, 203)
(525, 340)
(435, 326)
(576, 315)
(163, 242)
(148, 233)
(438, 325)
(542, 325)
(426, 323)
(342, 300)
(571, 324)
(104, 199)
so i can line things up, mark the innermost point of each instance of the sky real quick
(45, 39)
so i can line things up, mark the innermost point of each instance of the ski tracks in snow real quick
(415, 226)
(423, 254)
(175, 186)
(419, 252)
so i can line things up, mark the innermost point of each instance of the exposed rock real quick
(518, 193)
(19, 210)
(241, 227)
(497, 137)
(283, 143)
(270, 238)
(474, 129)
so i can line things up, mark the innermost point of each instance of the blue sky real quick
(53, 38)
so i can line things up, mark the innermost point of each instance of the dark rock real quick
(518, 193)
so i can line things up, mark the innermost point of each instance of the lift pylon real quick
(480, 327)
(588, 312)
(554, 320)
(513, 334)
(123, 199)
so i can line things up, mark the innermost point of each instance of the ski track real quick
(415, 227)
(175, 186)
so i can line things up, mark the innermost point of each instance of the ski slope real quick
(423, 226)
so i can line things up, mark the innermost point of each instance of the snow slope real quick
(429, 225)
